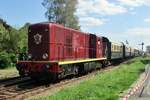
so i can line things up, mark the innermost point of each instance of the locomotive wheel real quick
(21, 73)
(76, 70)
(98, 65)
(105, 63)
(81, 69)
(54, 78)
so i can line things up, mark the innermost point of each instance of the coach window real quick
(115, 48)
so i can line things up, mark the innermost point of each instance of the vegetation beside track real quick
(105, 85)
(8, 72)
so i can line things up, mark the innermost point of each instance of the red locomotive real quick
(55, 51)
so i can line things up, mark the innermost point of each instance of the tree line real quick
(13, 42)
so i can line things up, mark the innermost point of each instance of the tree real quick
(62, 12)
(12, 42)
(8, 37)
(22, 44)
(8, 44)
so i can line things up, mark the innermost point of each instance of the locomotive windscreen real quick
(38, 42)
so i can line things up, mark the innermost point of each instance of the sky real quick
(119, 20)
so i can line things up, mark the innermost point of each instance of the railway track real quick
(9, 86)
(23, 88)
(9, 79)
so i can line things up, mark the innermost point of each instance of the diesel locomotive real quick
(55, 51)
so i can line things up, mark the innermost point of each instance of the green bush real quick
(7, 59)
(12, 57)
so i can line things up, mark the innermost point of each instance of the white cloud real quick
(88, 10)
(94, 8)
(134, 3)
(91, 21)
(93, 13)
(147, 20)
(108, 8)
(100, 7)
(139, 34)
(143, 32)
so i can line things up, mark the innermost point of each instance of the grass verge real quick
(105, 85)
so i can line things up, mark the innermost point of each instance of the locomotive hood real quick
(38, 41)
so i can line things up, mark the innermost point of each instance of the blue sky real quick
(18, 12)
(120, 20)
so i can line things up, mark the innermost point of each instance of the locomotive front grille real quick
(38, 42)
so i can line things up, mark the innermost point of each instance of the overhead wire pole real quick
(142, 44)
(127, 42)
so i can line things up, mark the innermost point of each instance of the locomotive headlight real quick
(29, 56)
(45, 56)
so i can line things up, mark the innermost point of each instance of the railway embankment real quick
(104, 85)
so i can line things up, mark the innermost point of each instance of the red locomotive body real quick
(56, 51)
(67, 44)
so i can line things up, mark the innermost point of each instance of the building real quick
(148, 49)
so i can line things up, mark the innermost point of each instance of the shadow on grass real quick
(141, 70)
(145, 61)
(129, 62)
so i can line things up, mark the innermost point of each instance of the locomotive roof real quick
(71, 29)
(62, 26)
(58, 25)
(39, 23)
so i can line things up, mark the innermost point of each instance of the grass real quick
(104, 85)
(8, 72)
